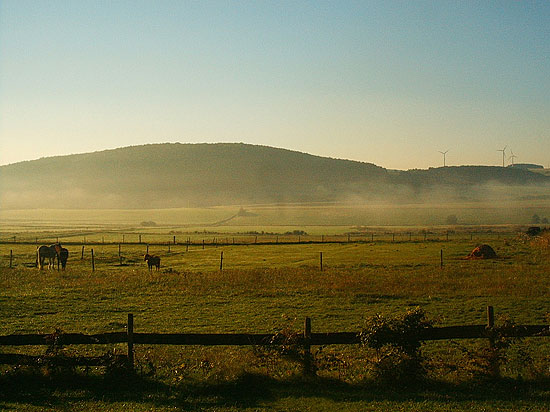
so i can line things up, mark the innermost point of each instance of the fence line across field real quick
(260, 239)
(305, 340)
(120, 257)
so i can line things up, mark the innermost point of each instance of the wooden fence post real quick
(139, 238)
(309, 369)
(221, 261)
(441, 259)
(321, 260)
(82, 253)
(93, 262)
(203, 244)
(11, 258)
(490, 317)
(174, 240)
(147, 249)
(372, 237)
(410, 236)
(119, 250)
(256, 239)
(349, 238)
(393, 237)
(495, 366)
(130, 334)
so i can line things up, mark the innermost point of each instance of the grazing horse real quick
(62, 257)
(47, 252)
(152, 261)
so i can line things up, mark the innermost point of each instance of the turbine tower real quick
(512, 157)
(502, 150)
(444, 154)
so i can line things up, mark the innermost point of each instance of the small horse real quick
(62, 257)
(47, 252)
(152, 261)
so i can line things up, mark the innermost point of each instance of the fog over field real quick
(167, 176)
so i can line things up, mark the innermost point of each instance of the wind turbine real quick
(512, 156)
(502, 150)
(444, 154)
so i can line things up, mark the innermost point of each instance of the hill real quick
(179, 175)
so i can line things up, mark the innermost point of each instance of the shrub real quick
(397, 341)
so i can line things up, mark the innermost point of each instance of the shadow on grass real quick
(248, 391)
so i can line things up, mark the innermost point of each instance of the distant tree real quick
(451, 220)
(535, 219)
(544, 220)
(297, 232)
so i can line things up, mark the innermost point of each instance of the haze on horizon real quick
(390, 83)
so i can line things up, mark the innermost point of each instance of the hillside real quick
(178, 175)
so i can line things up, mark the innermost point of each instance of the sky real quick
(386, 82)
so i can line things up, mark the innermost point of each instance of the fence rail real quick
(243, 339)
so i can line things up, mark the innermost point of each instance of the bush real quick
(397, 341)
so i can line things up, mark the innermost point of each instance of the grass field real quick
(269, 288)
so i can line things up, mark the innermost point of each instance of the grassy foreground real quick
(268, 288)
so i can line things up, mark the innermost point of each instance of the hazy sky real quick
(387, 82)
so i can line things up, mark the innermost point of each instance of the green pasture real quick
(269, 288)
(262, 286)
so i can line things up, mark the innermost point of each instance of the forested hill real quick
(179, 175)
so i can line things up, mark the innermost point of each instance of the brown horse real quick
(47, 252)
(152, 261)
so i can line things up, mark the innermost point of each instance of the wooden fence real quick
(306, 339)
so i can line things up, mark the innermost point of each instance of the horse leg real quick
(41, 260)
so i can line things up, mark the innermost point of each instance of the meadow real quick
(270, 283)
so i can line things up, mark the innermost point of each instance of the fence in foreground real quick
(305, 339)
